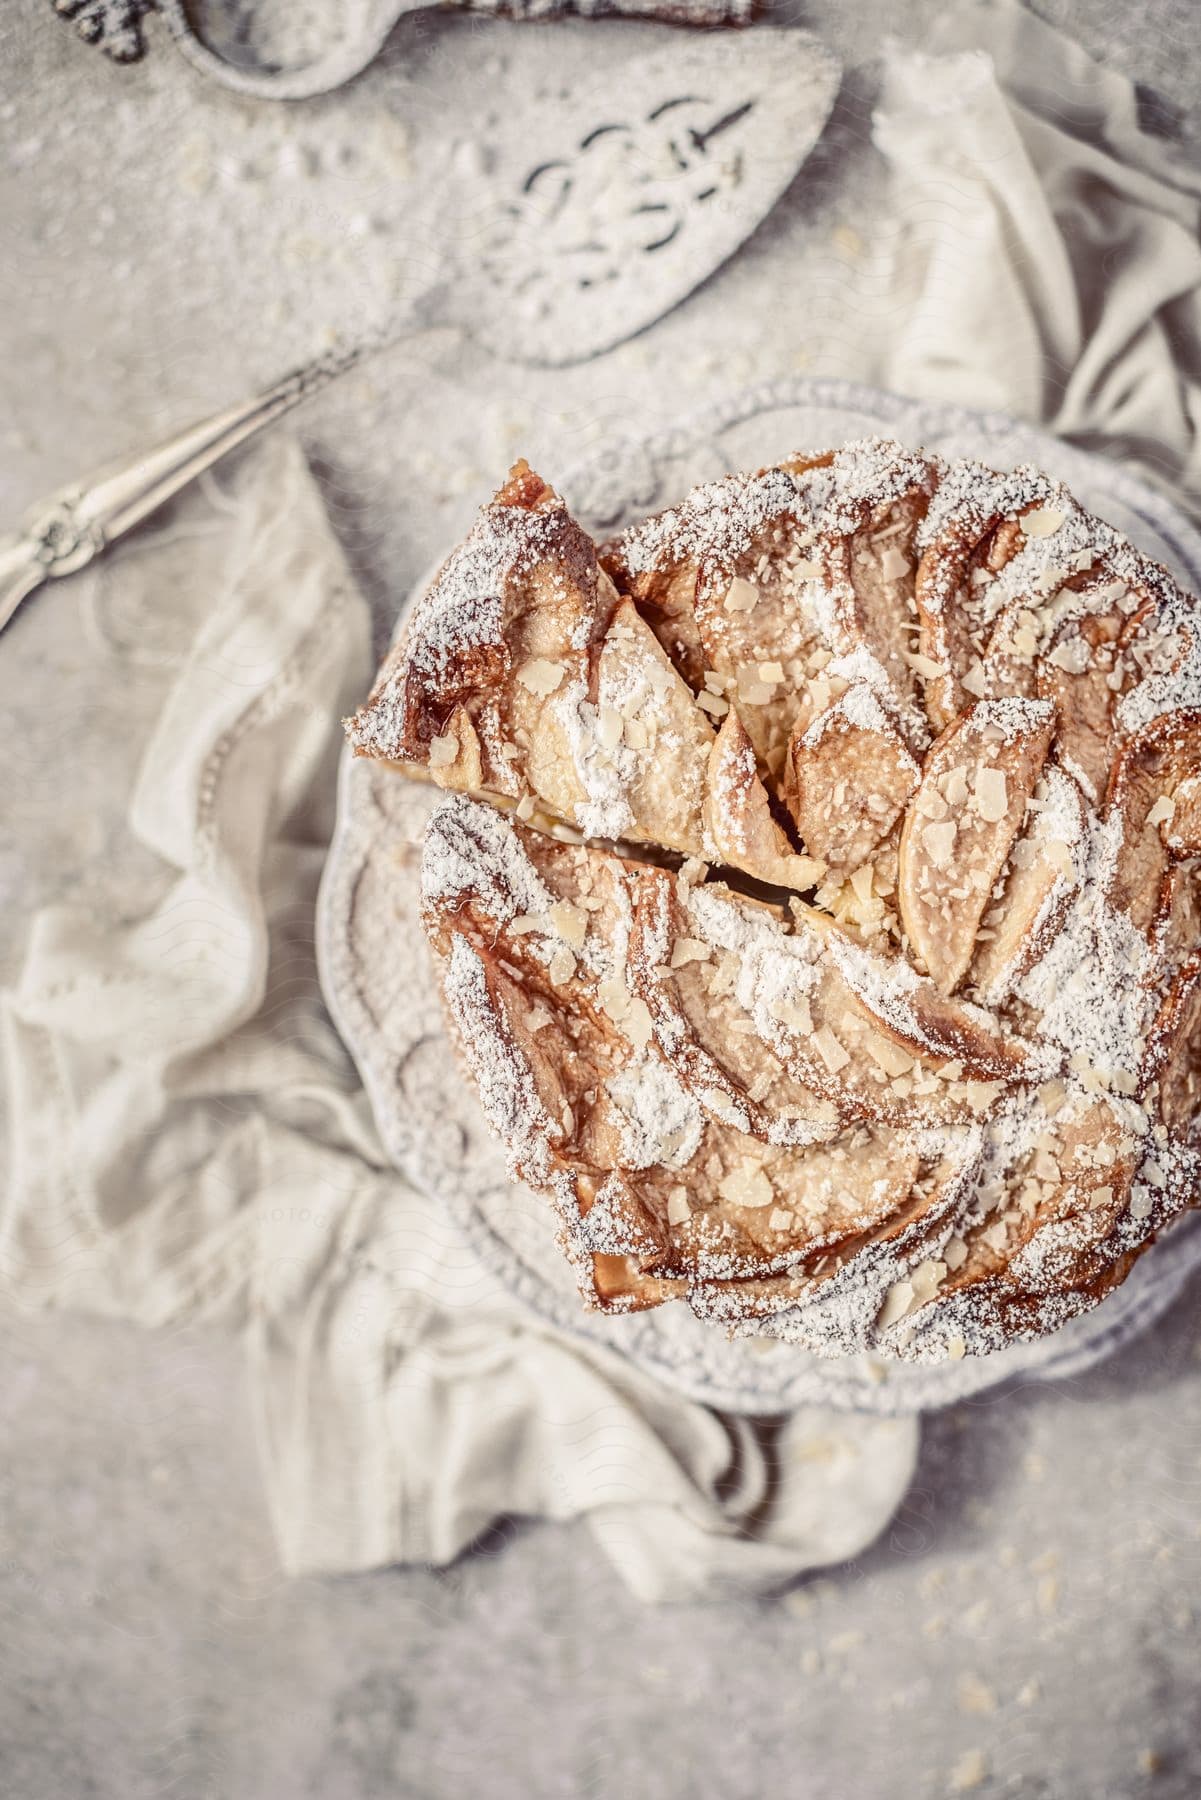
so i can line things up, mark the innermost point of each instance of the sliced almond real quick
(741, 595)
(540, 675)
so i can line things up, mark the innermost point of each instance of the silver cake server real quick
(64, 532)
(629, 201)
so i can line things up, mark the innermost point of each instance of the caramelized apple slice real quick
(616, 1284)
(738, 819)
(871, 574)
(914, 1014)
(1043, 874)
(454, 758)
(980, 522)
(850, 776)
(1042, 1238)
(1152, 766)
(1077, 670)
(1174, 1050)
(751, 1210)
(977, 779)
(641, 745)
(761, 1026)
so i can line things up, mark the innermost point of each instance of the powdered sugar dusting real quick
(1032, 1155)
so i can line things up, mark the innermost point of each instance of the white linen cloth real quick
(188, 1139)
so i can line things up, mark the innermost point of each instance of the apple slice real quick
(764, 1030)
(871, 574)
(738, 820)
(1174, 1049)
(1162, 757)
(1044, 872)
(914, 1014)
(965, 815)
(974, 530)
(1044, 1239)
(1078, 666)
(850, 776)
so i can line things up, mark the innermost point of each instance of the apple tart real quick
(815, 893)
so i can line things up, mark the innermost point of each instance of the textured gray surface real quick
(1029, 1620)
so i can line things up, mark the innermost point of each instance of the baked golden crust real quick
(935, 1085)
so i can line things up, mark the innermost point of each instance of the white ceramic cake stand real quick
(380, 986)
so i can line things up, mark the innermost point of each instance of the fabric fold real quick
(189, 1139)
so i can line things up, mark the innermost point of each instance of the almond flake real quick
(861, 881)
(897, 1302)
(614, 997)
(747, 1185)
(443, 751)
(1072, 656)
(955, 788)
(561, 966)
(527, 922)
(1159, 814)
(1052, 1094)
(980, 1095)
(939, 840)
(741, 595)
(992, 799)
(525, 807)
(970, 1772)
(807, 569)
(781, 1220)
(806, 871)
(540, 676)
(687, 950)
(722, 1107)
(637, 1024)
(1041, 522)
(678, 1209)
(891, 1058)
(955, 1253)
(771, 672)
(924, 665)
(894, 563)
(609, 723)
(927, 1278)
(793, 1013)
(830, 1050)
(636, 734)
(713, 703)
(570, 922)
(975, 680)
